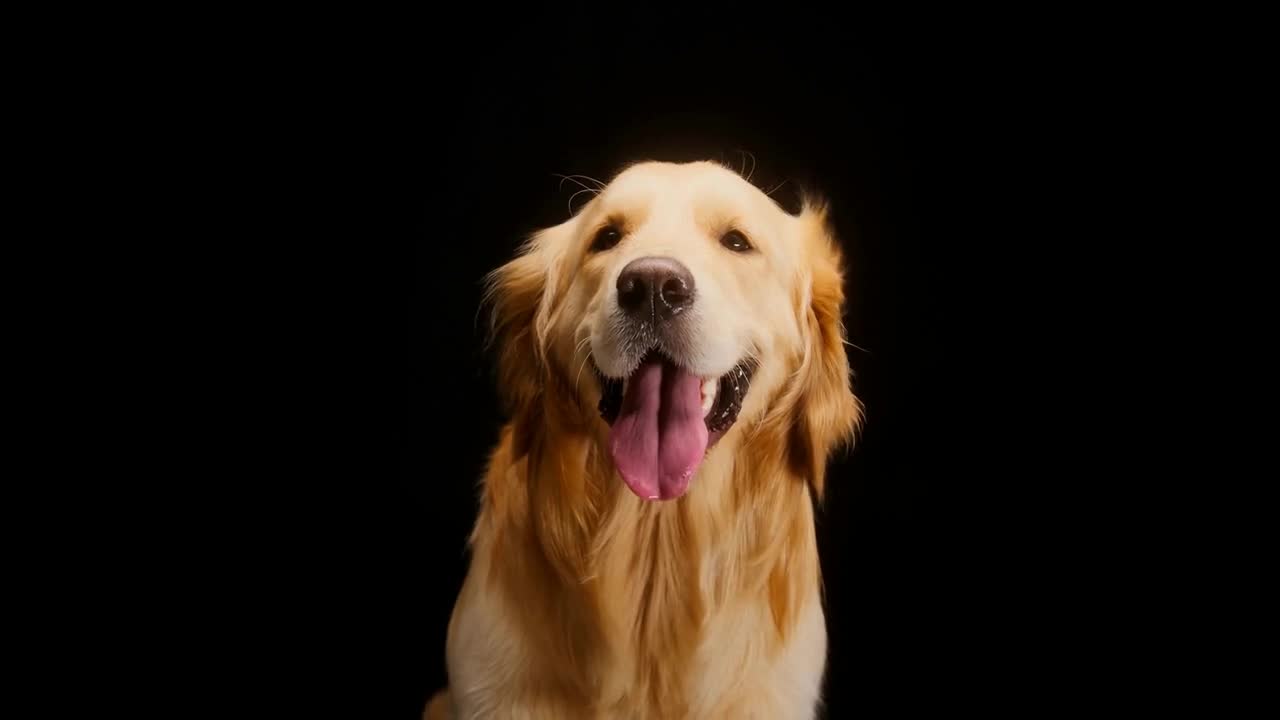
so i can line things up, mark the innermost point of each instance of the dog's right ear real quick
(521, 295)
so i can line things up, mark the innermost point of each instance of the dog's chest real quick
(734, 666)
(744, 670)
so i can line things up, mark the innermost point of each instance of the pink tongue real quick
(659, 437)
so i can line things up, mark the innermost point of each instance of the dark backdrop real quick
(405, 170)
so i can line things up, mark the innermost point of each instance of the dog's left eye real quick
(606, 238)
(735, 241)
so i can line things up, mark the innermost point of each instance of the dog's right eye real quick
(606, 238)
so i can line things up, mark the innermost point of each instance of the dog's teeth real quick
(709, 388)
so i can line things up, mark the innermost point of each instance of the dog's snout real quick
(657, 287)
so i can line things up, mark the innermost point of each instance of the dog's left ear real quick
(829, 414)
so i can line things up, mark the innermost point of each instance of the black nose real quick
(656, 287)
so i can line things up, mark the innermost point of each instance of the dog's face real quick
(677, 306)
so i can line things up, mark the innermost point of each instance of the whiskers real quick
(577, 180)
(594, 188)
(743, 171)
(583, 366)
(746, 169)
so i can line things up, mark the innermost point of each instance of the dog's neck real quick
(635, 581)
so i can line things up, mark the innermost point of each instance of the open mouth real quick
(663, 420)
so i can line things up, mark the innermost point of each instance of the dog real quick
(672, 363)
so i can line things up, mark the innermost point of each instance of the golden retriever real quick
(673, 361)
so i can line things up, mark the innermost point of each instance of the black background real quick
(396, 172)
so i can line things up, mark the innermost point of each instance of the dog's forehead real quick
(661, 183)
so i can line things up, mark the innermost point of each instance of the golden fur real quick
(584, 601)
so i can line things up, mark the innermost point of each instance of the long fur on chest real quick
(619, 600)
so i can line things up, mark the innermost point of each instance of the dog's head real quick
(676, 314)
